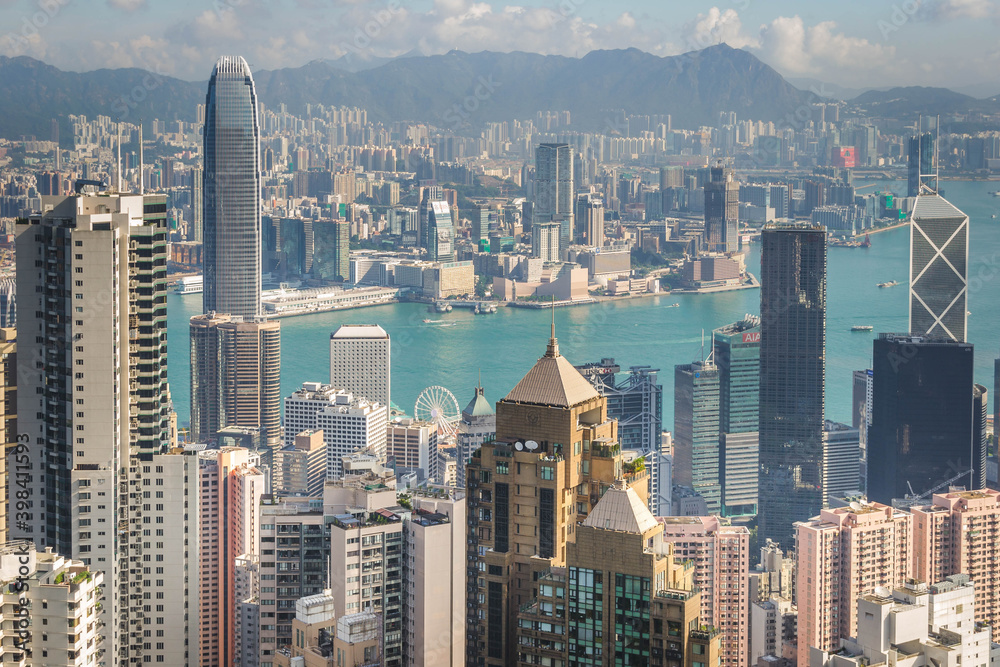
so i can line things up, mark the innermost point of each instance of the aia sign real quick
(751, 337)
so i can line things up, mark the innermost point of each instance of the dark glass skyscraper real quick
(232, 191)
(554, 195)
(792, 376)
(922, 417)
(722, 207)
(921, 162)
(939, 258)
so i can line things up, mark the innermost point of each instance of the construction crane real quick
(912, 498)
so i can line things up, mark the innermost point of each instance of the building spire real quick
(553, 350)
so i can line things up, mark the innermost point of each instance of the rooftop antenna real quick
(118, 166)
(703, 346)
(937, 162)
(141, 189)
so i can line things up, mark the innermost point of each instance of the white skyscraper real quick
(92, 271)
(349, 423)
(359, 361)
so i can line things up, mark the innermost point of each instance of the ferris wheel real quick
(440, 407)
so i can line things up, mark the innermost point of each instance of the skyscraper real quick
(554, 194)
(555, 454)
(197, 231)
(921, 435)
(955, 533)
(736, 352)
(721, 555)
(478, 424)
(722, 208)
(696, 430)
(545, 241)
(589, 220)
(8, 417)
(235, 376)
(99, 378)
(440, 233)
(792, 376)
(230, 487)
(939, 258)
(843, 554)
(232, 189)
(630, 599)
(921, 161)
(360, 361)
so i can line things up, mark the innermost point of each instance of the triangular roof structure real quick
(553, 381)
(623, 510)
(478, 406)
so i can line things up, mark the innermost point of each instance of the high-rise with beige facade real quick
(556, 452)
(844, 554)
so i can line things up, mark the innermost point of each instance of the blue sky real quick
(852, 43)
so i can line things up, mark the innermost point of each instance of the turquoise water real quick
(640, 331)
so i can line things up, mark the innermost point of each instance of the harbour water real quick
(644, 331)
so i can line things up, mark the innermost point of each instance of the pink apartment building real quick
(721, 555)
(844, 554)
(229, 491)
(959, 533)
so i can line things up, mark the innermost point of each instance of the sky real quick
(848, 43)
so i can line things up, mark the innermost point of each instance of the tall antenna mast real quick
(141, 162)
(937, 162)
(118, 165)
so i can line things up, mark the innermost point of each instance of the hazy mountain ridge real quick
(457, 90)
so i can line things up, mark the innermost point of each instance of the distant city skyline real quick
(851, 44)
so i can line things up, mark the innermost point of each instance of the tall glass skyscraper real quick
(792, 376)
(939, 259)
(231, 191)
(722, 209)
(736, 352)
(554, 195)
(923, 418)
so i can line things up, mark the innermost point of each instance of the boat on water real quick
(674, 305)
(867, 243)
(996, 193)
(189, 285)
(862, 327)
(891, 283)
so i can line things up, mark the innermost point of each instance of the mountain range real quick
(459, 90)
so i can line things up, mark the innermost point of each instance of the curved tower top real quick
(231, 191)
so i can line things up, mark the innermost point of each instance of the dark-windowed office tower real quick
(554, 196)
(921, 162)
(792, 376)
(922, 431)
(939, 257)
(231, 192)
(722, 207)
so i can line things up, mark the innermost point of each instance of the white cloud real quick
(792, 47)
(127, 5)
(716, 27)
(958, 9)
